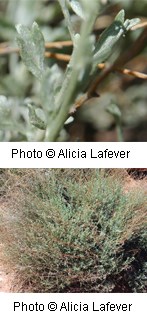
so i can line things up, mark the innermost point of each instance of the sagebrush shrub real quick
(81, 233)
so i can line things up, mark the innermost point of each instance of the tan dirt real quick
(6, 276)
(131, 183)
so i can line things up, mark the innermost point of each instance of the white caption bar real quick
(73, 155)
(68, 306)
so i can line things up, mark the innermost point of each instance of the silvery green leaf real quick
(110, 37)
(77, 8)
(34, 119)
(90, 6)
(4, 107)
(32, 49)
(76, 39)
(120, 16)
(131, 23)
(7, 120)
(3, 101)
(64, 7)
(114, 110)
(69, 120)
(50, 85)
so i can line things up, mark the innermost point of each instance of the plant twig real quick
(135, 74)
(5, 49)
(58, 44)
(133, 50)
(58, 56)
(140, 25)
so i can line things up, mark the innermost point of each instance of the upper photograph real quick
(73, 70)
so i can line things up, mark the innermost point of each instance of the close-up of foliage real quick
(74, 230)
(73, 70)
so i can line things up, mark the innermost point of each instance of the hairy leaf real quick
(4, 109)
(51, 83)
(110, 37)
(34, 119)
(31, 44)
(3, 102)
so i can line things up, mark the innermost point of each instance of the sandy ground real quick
(135, 184)
(6, 276)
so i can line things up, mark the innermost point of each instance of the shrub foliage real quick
(75, 231)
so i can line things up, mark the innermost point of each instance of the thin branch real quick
(135, 74)
(58, 44)
(128, 55)
(95, 84)
(140, 25)
(58, 56)
(5, 49)
(133, 50)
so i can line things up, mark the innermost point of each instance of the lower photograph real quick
(73, 230)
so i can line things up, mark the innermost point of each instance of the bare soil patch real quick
(6, 276)
(131, 183)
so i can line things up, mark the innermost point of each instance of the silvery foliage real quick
(58, 91)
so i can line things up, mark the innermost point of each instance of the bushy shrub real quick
(77, 231)
(39, 93)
